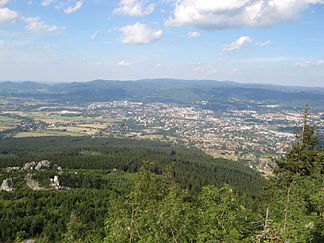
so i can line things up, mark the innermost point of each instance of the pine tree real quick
(293, 199)
(303, 158)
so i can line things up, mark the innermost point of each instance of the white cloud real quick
(2, 43)
(266, 59)
(135, 7)
(124, 63)
(309, 64)
(315, 1)
(46, 2)
(74, 8)
(35, 24)
(212, 14)
(3, 2)
(7, 15)
(139, 34)
(266, 43)
(193, 35)
(238, 44)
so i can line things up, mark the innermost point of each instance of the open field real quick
(58, 123)
(226, 154)
(75, 130)
(59, 118)
(152, 137)
(46, 133)
(7, 123)
(94, 125)
(7, 120)
(3, 128)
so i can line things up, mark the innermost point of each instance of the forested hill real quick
(104, 190)
(166, 90)
(191, 168)
(94, 171)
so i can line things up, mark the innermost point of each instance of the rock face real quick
(56, 183)
(29, 166)
(7, 185)
(32, 184)
(44, 164)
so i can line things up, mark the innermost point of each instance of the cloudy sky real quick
(255, 41)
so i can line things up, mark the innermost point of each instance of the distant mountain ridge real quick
(166, 90)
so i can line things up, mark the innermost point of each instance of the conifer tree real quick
(303, 158)
(293, 199)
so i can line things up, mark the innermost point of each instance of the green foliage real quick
(222, 217)
(47, 214)
(295, 196)
(155, 210)
(296, 209)
(89, 170)
(179, 197)
(192, 168)
(304, 158)
(158, 210)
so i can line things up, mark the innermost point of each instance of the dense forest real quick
(139, 191)
(191, 168)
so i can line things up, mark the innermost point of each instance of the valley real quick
(253, 132)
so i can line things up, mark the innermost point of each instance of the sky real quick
(251, 41)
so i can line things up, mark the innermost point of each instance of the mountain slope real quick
(167, 90)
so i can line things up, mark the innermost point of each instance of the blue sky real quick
(253, 41)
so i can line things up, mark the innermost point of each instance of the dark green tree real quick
(304, 157)
(293, 195)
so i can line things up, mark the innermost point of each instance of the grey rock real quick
(44, 164)
(29, 241)
(29, 166)
(59, 170)
(56, 183)
(7, 185)
(32, 184)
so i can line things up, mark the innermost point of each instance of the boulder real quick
(32, 184)
(56, 183)
(59, 170)
(7, 185)
(29, 241)
(29, 166)
(44, 164)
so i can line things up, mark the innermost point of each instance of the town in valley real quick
(253, 135)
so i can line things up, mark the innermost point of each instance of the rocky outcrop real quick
(59, 170)
(29, 241)
(32, 184)
(55, 183)
(44, 164)
(7, 185)
(29, 166)
(34, 168)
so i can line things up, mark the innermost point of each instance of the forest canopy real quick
(139, 191)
